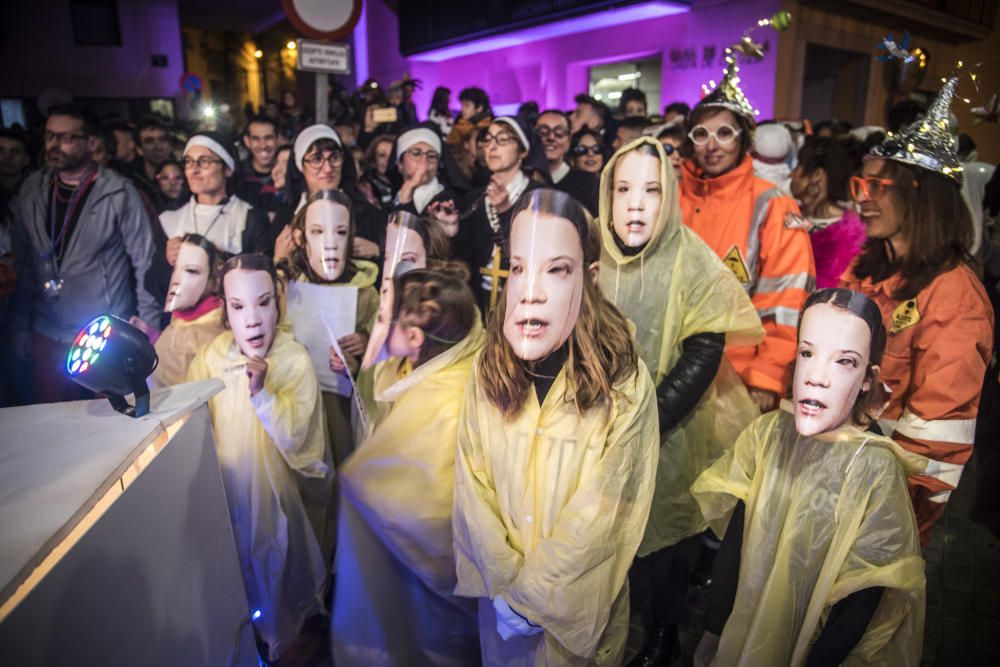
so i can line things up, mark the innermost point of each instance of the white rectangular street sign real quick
(324, 57)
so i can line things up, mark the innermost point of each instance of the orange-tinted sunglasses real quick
(872, 187)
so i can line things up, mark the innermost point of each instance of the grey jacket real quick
(103, 266)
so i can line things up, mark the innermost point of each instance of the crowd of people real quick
(578, 343)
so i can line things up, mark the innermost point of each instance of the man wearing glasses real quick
(82, 245)
(742, 217)
(552, 128)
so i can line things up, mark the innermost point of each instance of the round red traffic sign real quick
(323, 19)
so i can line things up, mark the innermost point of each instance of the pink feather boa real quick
(834, 248)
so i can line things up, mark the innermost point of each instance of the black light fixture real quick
(111, 357)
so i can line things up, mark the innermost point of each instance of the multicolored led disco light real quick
(109, 356)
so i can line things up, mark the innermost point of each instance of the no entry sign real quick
(323, 19)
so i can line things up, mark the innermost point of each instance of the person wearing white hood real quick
(484, 227)
(232, 225)
(318, 163)
(418, 152)
(223, 219)
(773, 154)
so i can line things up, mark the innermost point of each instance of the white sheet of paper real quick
(359, 415)
(318, 314)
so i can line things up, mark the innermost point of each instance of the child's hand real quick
(446, 216)
(256, 371)
(336, 365)
(173, 249)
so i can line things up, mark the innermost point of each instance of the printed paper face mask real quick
(252, 310)
(403, 244)
(636, 196)
(545, 286)
(833, 356)
(189, 279)
(327, 230)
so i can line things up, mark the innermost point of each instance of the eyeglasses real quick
(669, 149)
(545, 132)
(725, 135)
(502, 139)
(580, 151)
(316, 160)
(871, 187)
(204, 162)
(417, 153)
(63, 137)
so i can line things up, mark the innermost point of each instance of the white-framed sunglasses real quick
(725, 135)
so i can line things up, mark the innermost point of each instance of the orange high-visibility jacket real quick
(742, 218)
(938, 347)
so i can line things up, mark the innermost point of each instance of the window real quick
(95, 22)
(608, 81)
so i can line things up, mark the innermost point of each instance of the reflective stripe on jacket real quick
(742, 218)
(938, 347)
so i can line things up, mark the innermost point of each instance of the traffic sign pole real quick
(322, 97)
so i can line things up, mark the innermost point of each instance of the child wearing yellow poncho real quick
(820, 565)
(270, 439)
(686, 306)
(394, 601)
(557, 455)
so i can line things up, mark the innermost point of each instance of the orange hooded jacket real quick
(742, 218)
(938, 347)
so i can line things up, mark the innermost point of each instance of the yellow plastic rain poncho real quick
(268, 446)
(395, 567)
(826, 516)
(337, 407)
(676, 287)
(550, 506)
(181, 341)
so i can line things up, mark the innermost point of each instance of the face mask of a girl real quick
(327, 232)
(545, 286)
(252, 310)
(189, 280)
(830, 368)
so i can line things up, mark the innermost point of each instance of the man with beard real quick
(254, 184)
(82, 244)
(553, 129)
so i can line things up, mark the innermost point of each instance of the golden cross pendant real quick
(495, 273)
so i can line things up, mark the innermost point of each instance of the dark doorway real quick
(835, 84)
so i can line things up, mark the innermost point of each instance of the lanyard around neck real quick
(71, 208)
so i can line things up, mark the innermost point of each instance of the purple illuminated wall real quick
(40, 53)
(552, 71)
